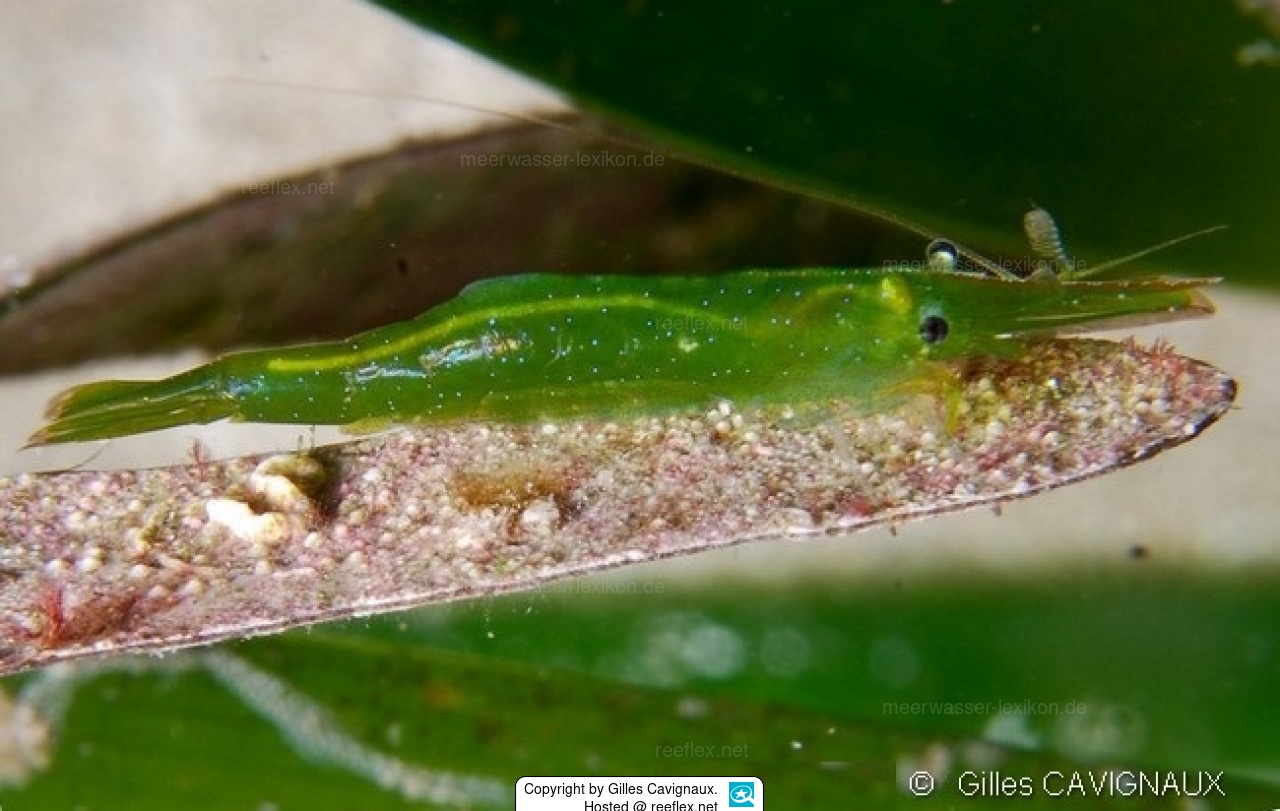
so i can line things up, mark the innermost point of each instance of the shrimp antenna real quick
(976, 259)
(521, 118)
(1046, 241)
(1114, 263)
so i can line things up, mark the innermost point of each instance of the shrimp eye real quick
(934, 329)
(942, 255)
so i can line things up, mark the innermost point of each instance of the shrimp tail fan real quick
(113, 408)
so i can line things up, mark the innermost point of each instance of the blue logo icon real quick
(742, 795)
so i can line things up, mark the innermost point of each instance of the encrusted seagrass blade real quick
(98, 563)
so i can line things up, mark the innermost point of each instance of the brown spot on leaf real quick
(515, 485)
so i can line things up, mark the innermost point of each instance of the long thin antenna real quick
(1038, 224)
(975, 258)
(522, 118)
(1072, 273)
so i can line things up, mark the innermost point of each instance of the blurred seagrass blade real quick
(108, 562)
(377, 240)
(1129, 123)
(395, 723)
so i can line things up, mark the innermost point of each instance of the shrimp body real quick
(542, 346)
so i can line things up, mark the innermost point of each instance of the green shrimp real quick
(550, 347)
